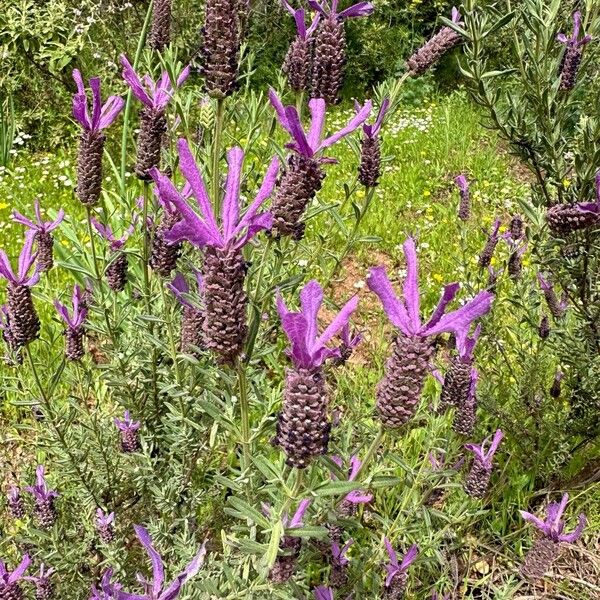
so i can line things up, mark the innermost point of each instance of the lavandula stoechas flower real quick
(285, 564)
(338, 576)
(464, 207)
(75, 331)
(224, 267)
(129, 432)
(91, 141)
(455, 387)
(466, 411)
(397, 575)
(221, 39)
(564, 219)
(10, 588)
(116, 271)
(23, 321)
(478, 479)
(556, 386)
(517, 242)
(323, 592)
(15, 502)
(44, 511)
(13, 357)
(441, 43)
(160, 29)
(192, 316)
(164, 253)
(544, 327)
(298, 59)
(485, 258)
(303, 425)
(399, 392)
(43, 234)
(157, 588)
(303, 176)
(107, 590)
(369, 169)
(44, 588)
(555, 306)
(546, 548)
(155, 96)
(347, 507)
(329, 57)
(105, 525)
(573, 52)
(350, 339)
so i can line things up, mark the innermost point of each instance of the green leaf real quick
(336, 488)
(273, 549)
(248, 511)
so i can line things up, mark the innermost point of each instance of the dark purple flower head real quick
(467, 344)
(310, 143)
(338, 554)
(395, 568)
(330, 9)
(8, 577)
(574, 39)
(180, 288)
(373, 130)
(26, 261)
(104, 519)
(107, 233)
(40, 490)
(127, 423)
(299, 18)
(553, 526)
(355, 496)
(323, 593)
(153, 94)
(74, 321)
(102, 114)
(39, 225)
(308, 348)
(202, 229)
(43, 574)
(462, 184)
(484, 455)
(157, 589)
(108, 590)
(404, 312)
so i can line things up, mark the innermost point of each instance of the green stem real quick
(171, 334)
(216, 155)
(371, 451)
(244, 414)
(146, 244)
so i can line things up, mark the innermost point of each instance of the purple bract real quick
(39, 225)
(484, 455)
(76, 319)
(40, 490)
(395, 568)
(26, 261)
(553, 526)
(102, 114)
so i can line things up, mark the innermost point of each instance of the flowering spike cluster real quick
(466, 412)
(163, 253)
(105, 523)
(297, 62)
(573, 52)
(547, 548)
(555, 388)
(303, 176)
(44, 587)
(22, 319)
(338, 576)
(399, 392)
(369, 169)
(303, 425)
(160, 30)
(441, 43)
(464, 207)
(43, 234)
(13, 357)
(116, 272)
(129, 433)
(224, 268)
(478, 479)
(155, 96)
(15, 503)
(74, 332)
(91, 141)
(156, 588)
(485, 258)
(220, 47)
(285, 564)
(192, 317)
(347, 506)
(330, 47)
(397, 572)
(517, 242)
(544, 327)
(350, 340)
(10, 588)
(557, 307)
(45, 511)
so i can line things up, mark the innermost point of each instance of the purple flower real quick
(308, 349)
(329, 9)
(40, 490)
(485, 456)
(323, 593)
(180, 288)
(108, 590)
(42, 578)
(296, 521)
(438, 464)
(350, 339)
(39, 226)
(466, 345)
(74, 321)
(553, 526)
(10, 577)
(309, 144)
(574, 40)
(156, 589)
(373, 130)
(26, 261)
(127, 423)
(107, 233)
(462, 184)
(153, 94)
(104, 519)
(338, 554)
(202, 229)
(102, 114)
(299, 18)
(394, 568)
(404, 312)
(355, 496)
